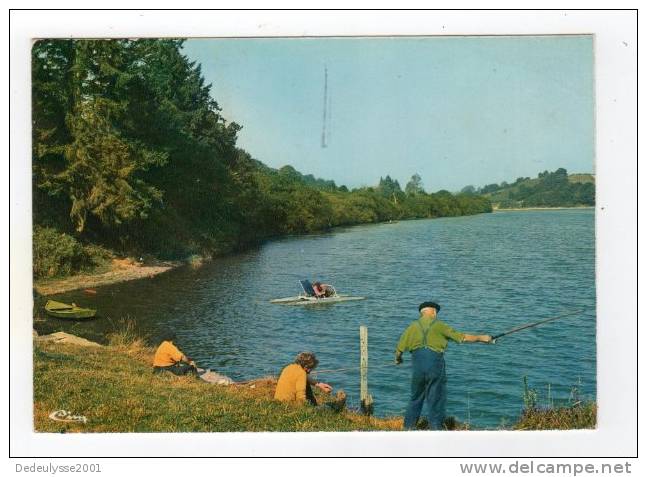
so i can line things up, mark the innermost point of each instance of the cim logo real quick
(66, 416)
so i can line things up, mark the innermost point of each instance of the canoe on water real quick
(310, 300)
(308, 297)
(63, 310)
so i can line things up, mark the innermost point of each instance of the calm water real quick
(489, 272)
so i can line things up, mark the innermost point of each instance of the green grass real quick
(579, 416)
(114, 388)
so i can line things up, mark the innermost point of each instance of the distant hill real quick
(548, 189)
(581, 178)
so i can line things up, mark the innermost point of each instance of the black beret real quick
(429, 304)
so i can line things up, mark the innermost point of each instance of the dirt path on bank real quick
(121, 270)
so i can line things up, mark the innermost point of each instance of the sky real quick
(456, 110)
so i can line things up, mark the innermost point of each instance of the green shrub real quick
(58, 254)
(55, 253)
(95, 256)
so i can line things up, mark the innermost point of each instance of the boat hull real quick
(68, 312)
(306, 301)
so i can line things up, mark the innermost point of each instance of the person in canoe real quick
(168, 358)
(322, 290)
(426, 339)
(295, 383)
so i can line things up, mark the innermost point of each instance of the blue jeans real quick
(428, 383)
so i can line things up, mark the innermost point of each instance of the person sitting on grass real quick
(295, 384)
(169, 358)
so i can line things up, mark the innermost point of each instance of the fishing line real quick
(352, 368)
(513, 330)
(494, 337)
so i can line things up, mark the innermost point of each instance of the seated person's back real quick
(169, 358)
(292, 383)
(167, 354)
(295, 385)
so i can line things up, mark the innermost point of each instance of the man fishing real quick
(426, 339)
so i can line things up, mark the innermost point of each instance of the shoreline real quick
(515, 209)
(127, 269)
(123, 270)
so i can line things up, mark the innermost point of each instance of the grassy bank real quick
(114, 388)
(580, 416)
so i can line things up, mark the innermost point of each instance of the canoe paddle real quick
(532, 325)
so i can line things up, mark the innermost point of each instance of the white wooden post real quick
(366, 399)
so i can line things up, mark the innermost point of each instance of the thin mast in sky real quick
(325, 106)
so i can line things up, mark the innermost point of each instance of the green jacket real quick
(438, 335)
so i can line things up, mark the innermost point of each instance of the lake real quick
(489, 273)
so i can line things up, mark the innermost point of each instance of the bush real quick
(55, 253)
(95, 256)
(58, 254)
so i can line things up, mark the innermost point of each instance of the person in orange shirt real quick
(169, 358)
(295, 384)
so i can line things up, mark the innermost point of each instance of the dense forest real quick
(133, 156)
(549, 189)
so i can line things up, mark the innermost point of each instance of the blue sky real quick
(456, 110)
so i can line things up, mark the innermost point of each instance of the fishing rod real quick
(532, 325)
(494, 338)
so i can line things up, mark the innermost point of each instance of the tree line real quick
(131, 153)
(548, 189)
